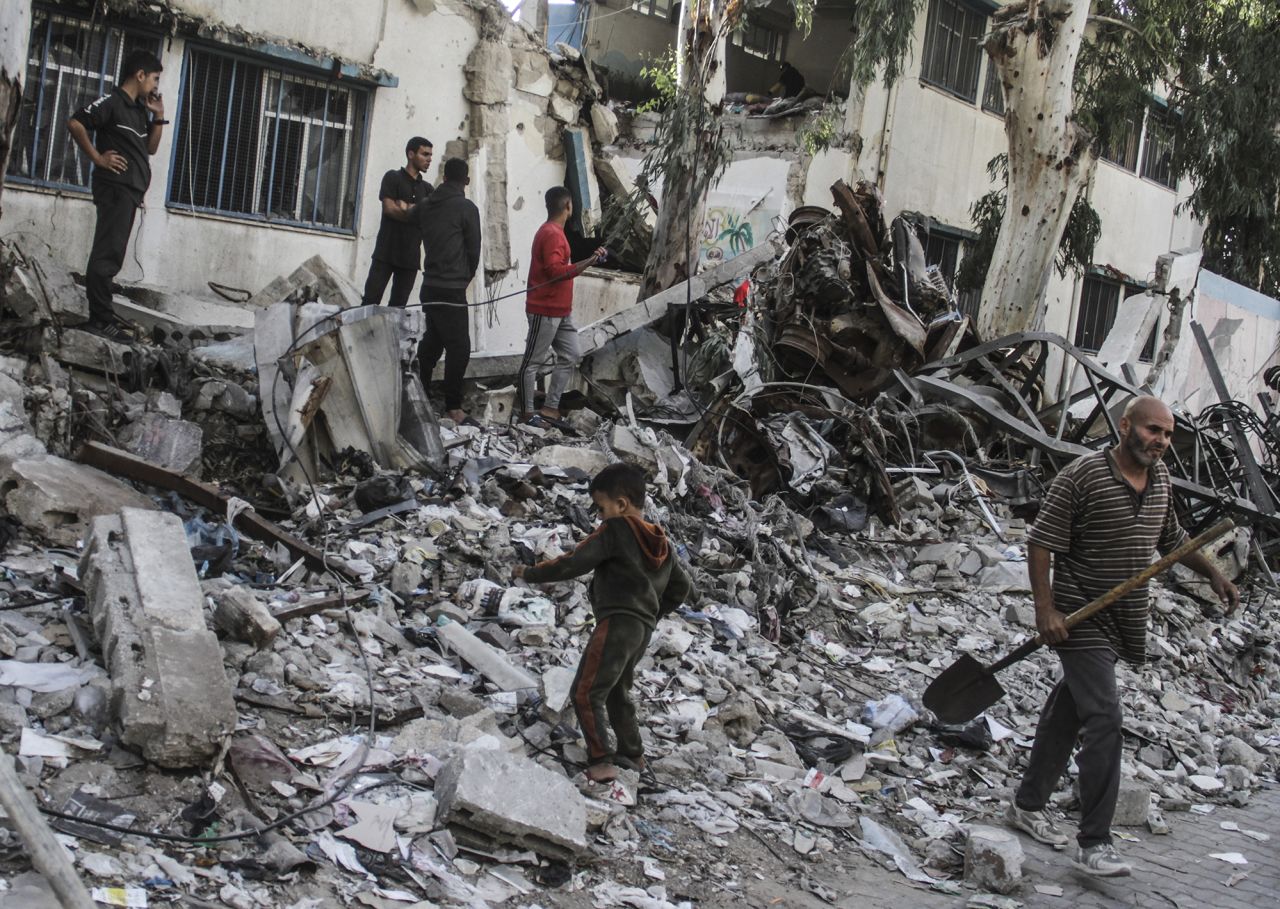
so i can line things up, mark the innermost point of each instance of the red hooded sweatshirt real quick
(551, 273)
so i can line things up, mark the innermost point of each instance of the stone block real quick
(604, 124)
(1006, 576)
(1133, 805)
(993, 859)
(57, 499)
(628, 447)
(1235, 750)
(245, 618)
(557, 686)
(509, 798)
(489, 72)
(16, 438)
(566, 457)
(948, 554)
(161, 440)
(169, 692)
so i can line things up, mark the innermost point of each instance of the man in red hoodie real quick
(549, 306)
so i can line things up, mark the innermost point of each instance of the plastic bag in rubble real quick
(481, 594)
(892, 713)
(517, 607)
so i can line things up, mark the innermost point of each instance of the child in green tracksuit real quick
(637, 581)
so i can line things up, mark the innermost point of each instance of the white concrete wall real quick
(184, 251)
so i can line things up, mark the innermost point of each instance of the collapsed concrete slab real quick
(169, 692)
(488, 661)
(57, 499)
(508, 797)
(39, 290)
(313, 280)
(16, 438)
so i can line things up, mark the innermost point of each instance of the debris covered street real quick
(262, 645)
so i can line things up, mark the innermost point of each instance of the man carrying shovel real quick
(1102, 519)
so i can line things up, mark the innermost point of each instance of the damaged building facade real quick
(284, 117)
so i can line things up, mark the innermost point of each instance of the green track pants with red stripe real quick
(602, 687)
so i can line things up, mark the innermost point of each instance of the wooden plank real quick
(123, 464)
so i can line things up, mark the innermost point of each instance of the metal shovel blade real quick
(962, 691)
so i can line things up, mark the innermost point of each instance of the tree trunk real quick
(699, 68)
(1035, 45)
(15, 33)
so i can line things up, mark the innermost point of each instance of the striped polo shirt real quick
(1102, 532)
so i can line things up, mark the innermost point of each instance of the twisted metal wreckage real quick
(848, 364)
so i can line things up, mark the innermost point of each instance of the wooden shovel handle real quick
(1226, 525)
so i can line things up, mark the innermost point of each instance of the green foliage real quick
(882, 32)
(1227, 133)
(660, 72)
(822, 129)
(1075, 250)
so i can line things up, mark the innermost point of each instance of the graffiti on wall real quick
(732, 226)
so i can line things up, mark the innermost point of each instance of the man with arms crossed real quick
(397, 254)
(126, 125)
(1104, 516)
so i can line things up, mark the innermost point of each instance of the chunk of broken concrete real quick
(1133, 804)
(245, 618)
(169, 692)
(993, 859)
(566, 457)
(509, 798)
(176, 445)
(57, 499)
(488, 661)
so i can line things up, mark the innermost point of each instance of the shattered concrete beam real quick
(486, 660)
(120, 463)
(169, 691)
(644, 312)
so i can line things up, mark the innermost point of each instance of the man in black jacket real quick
(451, 232)
(126, 126)
(397, 254)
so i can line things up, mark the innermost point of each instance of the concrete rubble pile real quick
(348, 675)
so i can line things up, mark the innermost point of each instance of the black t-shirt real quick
(119, 124)
(400, 242)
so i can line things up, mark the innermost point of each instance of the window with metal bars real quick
(70, 62)
(946, 252)
(259, 142)
(1122, 149)
(760, 41)
(1099, 303)
(993, 91)
(1157, 154)
(952, 47)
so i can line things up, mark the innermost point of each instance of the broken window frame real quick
(41, 141)
(945, 247)
(1157, 147)
(269, 136)
(761, 40)
(947, 63)
(1103, 320)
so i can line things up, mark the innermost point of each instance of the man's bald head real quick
(1145, 407)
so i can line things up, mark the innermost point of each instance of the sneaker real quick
(1035, 824)
(1101, 861)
